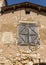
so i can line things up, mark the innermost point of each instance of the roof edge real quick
(23, 5)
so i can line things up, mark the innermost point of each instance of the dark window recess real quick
(28, 34)
(27, 11)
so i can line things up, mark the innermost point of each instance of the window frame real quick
(27, 43)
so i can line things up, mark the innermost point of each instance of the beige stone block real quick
(7, 37)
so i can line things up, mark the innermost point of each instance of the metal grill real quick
(28, 34)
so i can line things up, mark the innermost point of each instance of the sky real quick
(39, 2)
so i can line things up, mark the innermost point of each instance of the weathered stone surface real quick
(14, 53)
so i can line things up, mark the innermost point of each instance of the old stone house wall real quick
(9, 50)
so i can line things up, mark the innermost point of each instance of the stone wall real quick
(9, 36)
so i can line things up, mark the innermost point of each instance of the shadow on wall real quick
(11, 9)
(40, 64)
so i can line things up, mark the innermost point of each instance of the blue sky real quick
(39, 2)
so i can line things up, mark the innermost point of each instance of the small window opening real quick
(27, 11)
(28, 34)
